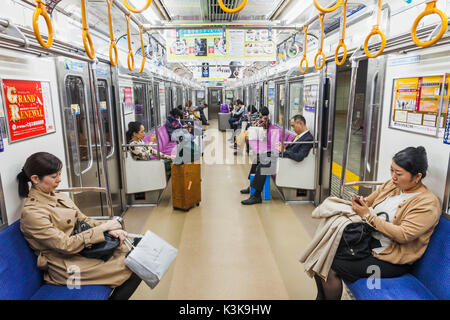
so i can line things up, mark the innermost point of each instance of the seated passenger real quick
(202, 114)
(237, 114)
(410, 213)
(296, 152)
(262, 121)
(48, 222)
(173, 121)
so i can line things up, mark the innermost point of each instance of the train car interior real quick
(243, 139)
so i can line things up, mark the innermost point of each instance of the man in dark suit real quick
(263, 165)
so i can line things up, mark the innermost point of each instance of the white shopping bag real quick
(256, 134)
(151, 258)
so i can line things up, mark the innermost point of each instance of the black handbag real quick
(357, 241)
(102, 250)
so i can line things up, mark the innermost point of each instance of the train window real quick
(295, 99)
(280, 104)
(140, 106)
(152, 109)
(106, 114)
(77, 125)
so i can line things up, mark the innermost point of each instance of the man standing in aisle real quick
(263, 165)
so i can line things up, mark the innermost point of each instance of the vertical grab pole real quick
(100, 130)
(351, 104)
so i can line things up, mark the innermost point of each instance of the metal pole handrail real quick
(302, 142)
(127, 146)
(82, 189)
(363, 183)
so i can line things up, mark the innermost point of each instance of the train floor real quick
(227, 250)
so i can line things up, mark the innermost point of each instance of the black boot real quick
(252, 200)
(320, 293)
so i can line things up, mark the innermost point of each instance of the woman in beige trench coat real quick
(47, 223)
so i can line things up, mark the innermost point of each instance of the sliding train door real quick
(108, 111)
(80, 133)
(358, 150)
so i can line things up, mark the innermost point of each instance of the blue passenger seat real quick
(21, 279)
(429, 278)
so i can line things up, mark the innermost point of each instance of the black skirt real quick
(352, 270)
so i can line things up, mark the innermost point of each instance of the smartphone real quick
(357, 199)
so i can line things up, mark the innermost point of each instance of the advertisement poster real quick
(128, 100)
(212, 73)
(233, 44)
(28, 107)
(416, 104)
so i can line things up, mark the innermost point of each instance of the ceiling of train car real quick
(283, 12)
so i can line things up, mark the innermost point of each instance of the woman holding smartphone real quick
(411, 212)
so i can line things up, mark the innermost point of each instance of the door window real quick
(140, 106)
(106, 115)
(280, 104)
(77, 125)
(295, 99)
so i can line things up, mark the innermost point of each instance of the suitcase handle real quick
(190, 184)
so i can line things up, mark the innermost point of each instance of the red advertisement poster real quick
(27, 106)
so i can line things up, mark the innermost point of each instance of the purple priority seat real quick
(166, 146)
(274, 135)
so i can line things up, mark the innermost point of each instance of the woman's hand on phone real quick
(359, 205)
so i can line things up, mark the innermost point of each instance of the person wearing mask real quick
(410, 214)
(296, 152)
(48, 222)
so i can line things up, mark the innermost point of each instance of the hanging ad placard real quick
(212, 44)
(210, 73)
(28, 108)
(416, 103)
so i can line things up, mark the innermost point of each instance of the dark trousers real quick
(261, 170)
(232, 121)
(126, 289)
(203, 117)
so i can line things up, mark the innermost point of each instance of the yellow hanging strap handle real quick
(342, 40)
(142, 50)
(376, 30)
(228, 10)
(112, 46)
(305, 47)
(125, 2)
(130, 57)
(430, 9)
(327, 10)
(87, 41)
(320, 51)
(40, 11)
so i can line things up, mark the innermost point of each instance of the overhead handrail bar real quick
(112, 45)
(130, 57)
(376, 30)
(320, 50)
(429, 9)
(327, 10)
(87, 41)
(41, 11)
(341, 43)
(142, 50)
(305, 45)
(132, 9)
(235, 10)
